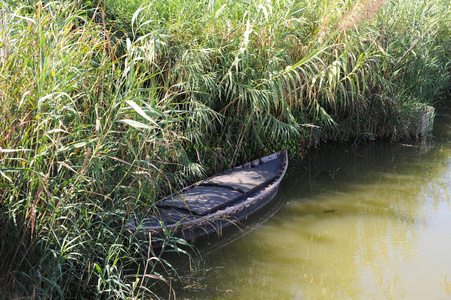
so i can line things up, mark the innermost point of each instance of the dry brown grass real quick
(359, 13)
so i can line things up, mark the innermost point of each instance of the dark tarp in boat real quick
(218, 191)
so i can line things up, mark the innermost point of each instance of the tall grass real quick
(105, 108)
(86, 140)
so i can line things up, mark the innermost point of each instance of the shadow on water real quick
(335, 169)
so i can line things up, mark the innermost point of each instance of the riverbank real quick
(107, 107)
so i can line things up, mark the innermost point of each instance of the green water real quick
(387, 234)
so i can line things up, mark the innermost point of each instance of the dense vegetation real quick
(106, 106)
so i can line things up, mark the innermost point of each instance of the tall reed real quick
(298, 72)
(87, 140)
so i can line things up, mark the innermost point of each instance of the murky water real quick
(370, 222)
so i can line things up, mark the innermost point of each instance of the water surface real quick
(362, 222)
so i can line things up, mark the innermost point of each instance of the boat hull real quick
(190, 215)
(216, 225)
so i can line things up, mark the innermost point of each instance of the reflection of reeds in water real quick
(384, 205)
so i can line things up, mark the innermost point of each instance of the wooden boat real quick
(219, 201)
